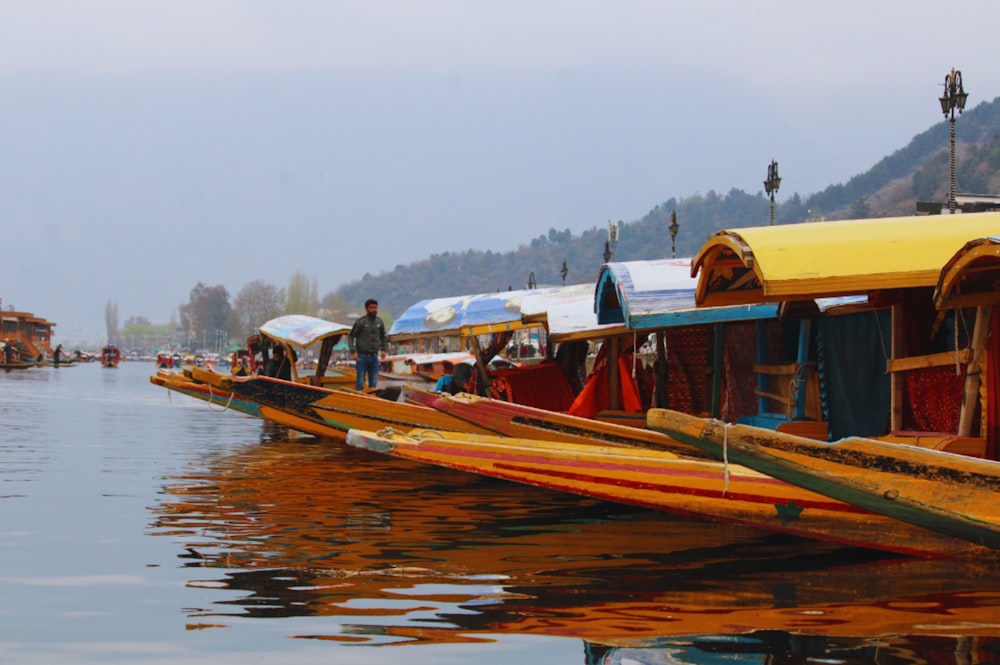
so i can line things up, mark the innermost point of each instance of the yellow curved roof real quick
(971, 277)
(825, 259)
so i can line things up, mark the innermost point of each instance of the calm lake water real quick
(139, 526)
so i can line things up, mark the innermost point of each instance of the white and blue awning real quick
(563, 310)
(645, 295)
(302, 331)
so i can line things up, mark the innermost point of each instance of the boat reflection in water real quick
(393, 552)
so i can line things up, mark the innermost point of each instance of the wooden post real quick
(718, 366)
(613, 378)
(484, 374)
(762, 383)
(802, 371)
(662, 373)
(895, 378)
(973, 371)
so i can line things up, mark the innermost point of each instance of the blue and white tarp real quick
(661, 294)
(302, 331)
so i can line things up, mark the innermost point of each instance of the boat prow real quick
(940, 491)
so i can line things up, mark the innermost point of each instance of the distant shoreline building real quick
(963, 203)
(33, 333)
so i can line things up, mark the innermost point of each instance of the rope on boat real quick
(881, 336)
(725, 457)
(958, 361)
(211, 396)
(413, 435)
(635, 351)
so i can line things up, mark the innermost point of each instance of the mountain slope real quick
(892, 187)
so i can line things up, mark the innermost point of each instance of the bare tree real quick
(206, 315)
(335, 307)
(111, 321)
(256, 303)
(303, 295)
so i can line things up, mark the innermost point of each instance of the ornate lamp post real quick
(673, 228)
(954, 98)
(564, 271)
(772, 184)
(612, 244)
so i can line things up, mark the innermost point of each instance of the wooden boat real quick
(330, 413)
(895, 263)
(913, 273)
(19, 364)
(526, 422)
(299, 333)
(949, 493)
(110, 356)
(294, 332)
(663, 481)
(30, 335)
(177, 382)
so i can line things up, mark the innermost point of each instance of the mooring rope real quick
(211, 396)
(958, 360)
(635, 351)
(413, 435)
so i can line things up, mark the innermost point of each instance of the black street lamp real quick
(611, 246)
(673, 228)
(564, 271)
(772, 184)
(954, 98)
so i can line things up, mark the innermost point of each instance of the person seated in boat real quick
(460, 377)
(240, 364)
(456, 382)
(280, 365)
(572, 358)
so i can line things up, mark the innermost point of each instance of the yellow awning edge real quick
(828, 259)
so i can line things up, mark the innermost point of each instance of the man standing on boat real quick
(368, 346)
(57, 356)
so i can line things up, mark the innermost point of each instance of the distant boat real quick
(110, 356)
(19, 364)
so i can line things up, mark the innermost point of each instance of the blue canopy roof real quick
(661, 294)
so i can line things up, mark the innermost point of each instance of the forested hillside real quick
(892, 187)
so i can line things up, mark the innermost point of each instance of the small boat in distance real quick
(110, 356)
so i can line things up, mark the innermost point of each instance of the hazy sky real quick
(147, 146)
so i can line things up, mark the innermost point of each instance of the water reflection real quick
(393, 552)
